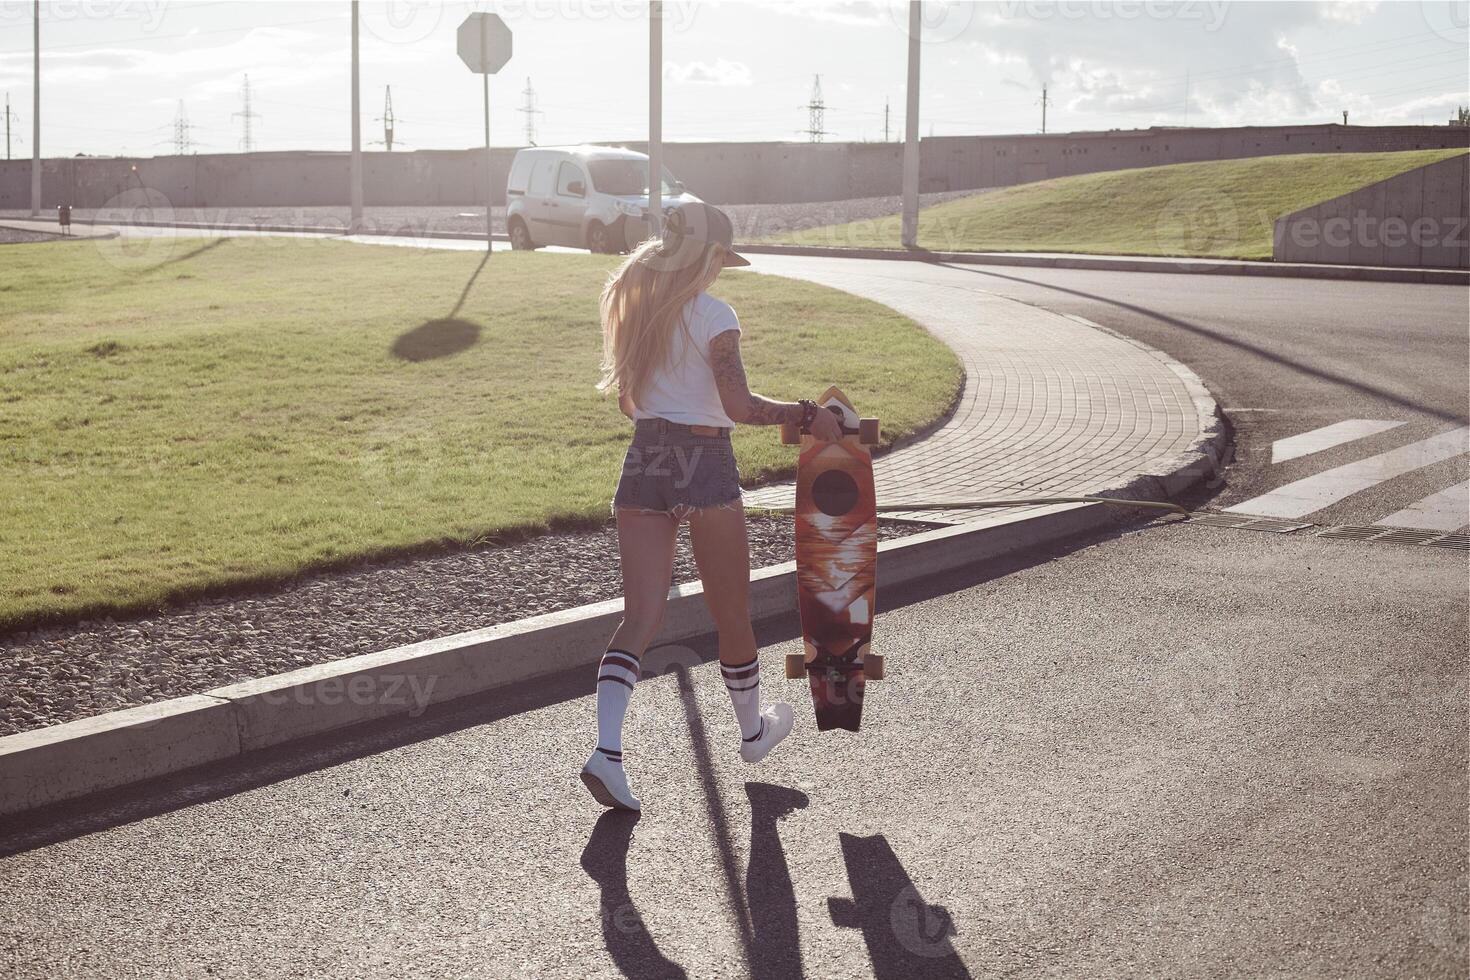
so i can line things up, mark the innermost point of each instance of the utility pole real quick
(1186, 97)
(911, 132)
(815, 110)
(248, 115)
(885, 119)
(36, 118)
(655, 116)
(1044, 101)
(1344, 117)
(354, 224)
(8, 116)
(531, 113)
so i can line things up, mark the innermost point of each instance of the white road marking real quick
(1326, 437)
(1443, 511)
(1326, 488)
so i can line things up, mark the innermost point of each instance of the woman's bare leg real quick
(646, 550)
(722, 554)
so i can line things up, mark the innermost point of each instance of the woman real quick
(673, 352)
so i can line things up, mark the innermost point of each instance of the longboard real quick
(836, 564)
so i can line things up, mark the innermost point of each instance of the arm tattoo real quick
(735, 393)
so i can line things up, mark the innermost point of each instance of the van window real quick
(570, 174)
(623, 176)
(520, 173)
(541, 178)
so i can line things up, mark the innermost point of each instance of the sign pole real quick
(655, 117)
(489, 187)
(484, 44)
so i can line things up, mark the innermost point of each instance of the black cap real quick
(691, 227)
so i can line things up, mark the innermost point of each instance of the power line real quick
(183, 142)
(9, 116)
(815, 109)
(387, 118)
(248, 115)
(531, 112)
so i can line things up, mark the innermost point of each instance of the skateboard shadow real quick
(605, 859)
(906, 936)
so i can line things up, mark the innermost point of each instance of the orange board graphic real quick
(836, 566)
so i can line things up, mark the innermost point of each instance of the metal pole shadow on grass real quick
(483, 42)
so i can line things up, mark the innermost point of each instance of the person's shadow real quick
(605, 859)
(906, 936)
(769, 894)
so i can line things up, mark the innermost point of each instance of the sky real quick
(115, 74)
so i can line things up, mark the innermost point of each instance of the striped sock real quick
(616, 675)
(743, 681)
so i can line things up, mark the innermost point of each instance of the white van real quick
(593, 197)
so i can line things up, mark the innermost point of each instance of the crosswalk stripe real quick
(1327, 437)
(1443, 511)
(1324, 489)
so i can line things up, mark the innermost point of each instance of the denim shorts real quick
(670, 470)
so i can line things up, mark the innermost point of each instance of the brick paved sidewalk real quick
(1051, 406)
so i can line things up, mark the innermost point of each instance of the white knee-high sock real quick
(743, 681)
(616, 675)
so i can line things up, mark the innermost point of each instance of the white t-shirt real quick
(683, 390)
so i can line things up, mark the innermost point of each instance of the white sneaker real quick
(607, 783)
(776, 722)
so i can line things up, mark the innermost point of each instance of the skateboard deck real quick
(836, 565)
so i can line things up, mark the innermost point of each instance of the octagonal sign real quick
(483, 41)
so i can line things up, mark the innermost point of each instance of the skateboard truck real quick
(867, 429)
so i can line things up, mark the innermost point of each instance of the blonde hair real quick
(642, 304)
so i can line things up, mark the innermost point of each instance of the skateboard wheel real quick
(790, 434)
(868, 432)
(795, 665)
(873, 666)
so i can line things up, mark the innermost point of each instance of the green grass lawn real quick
(1219, 209)
(236, 411)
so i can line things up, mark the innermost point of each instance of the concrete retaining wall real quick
(1420, 218)
(724, 173)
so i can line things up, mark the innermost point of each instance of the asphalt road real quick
(1142, 758)
(1282, 356)
(1175, 751)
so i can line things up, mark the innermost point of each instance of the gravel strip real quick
(12, 236)
(751, 220)
(57, 674)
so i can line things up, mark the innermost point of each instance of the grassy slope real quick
(1220, 209)
(233, 411)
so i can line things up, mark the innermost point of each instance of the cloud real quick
(722, 72)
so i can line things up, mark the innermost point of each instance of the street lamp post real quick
(355, 223)
(36, 120)
(911, 132)
(655, 116)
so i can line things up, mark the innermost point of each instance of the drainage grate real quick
(1248, 523)
(1398, 535)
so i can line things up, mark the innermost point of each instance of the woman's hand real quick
(826, 426)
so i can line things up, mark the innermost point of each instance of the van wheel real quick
(520, 236)
(599, 240)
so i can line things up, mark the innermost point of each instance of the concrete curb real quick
(90, 755)
(68, 761)
(1299, 270)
